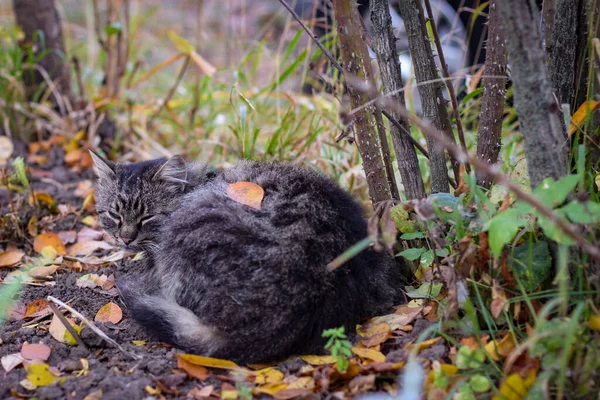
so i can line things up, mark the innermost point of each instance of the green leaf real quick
(412, 236)
(480, 383)
(113, 29)
(427, 258)
(583, 213)
(182, 45)
(531, 263)
(425, 291)
(553, 231)
(411, 254)
(19, 167)
(402, 220)
(502, 228)
(553, 193)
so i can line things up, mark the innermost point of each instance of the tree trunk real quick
(41, 15)
(430, 90)
(357, 77)
(541, 118)
(562, 48)
(389, 67)
(489, 133)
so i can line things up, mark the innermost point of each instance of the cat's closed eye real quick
(145, 219)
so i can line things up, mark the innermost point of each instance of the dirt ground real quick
(100, 370)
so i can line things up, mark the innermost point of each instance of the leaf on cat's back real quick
(247, 193)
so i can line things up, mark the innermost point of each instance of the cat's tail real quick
(168, 321)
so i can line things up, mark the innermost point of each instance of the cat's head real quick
(133, 200)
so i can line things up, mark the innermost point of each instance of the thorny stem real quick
(449, 85)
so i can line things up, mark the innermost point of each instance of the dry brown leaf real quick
(499, 350)
(10, 258)
(59, 331)
(288, 394)
(44, 198)
(43, 272)
(87, 234)
(49, 239)
(35, 351)
(86, 248)
(6, 149)
(201, 394)
(361, 383)
(68, 237)
(318, 360)
(37, 308)
(110, 312)
(374, 334)
(247, 193)
(195, 371)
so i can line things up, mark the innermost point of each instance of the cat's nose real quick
(127, 240)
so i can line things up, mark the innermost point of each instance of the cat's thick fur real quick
(230, 281)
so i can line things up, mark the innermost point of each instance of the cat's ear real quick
(174, 172)
(104, 169)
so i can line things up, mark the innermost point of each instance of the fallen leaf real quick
(68, 237)
(89, 221)
(199, 394)
(581, 115)
(303, 382)
(6, 149)
(374, 334)
(35, 351)
(95, 395)
(90, 281)
(501, 349)
(32, 227)
(49, 239)
(43, 272)
(268, 375)
(368, 354)
(594, 322)
(87, 234)
(11, 257)
(247, 193)
(37, 308)
(88, 247)
(110, 312)
(60, 333)
(11, 361)
(139, 343)
(361, 383)
(514, 387)
(288, 394)
(40, 375)
(45, 198)
(423, 345)
(318, 360)
(270, 389)
(209, 362)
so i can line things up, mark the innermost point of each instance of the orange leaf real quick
(35, 351)
(368, 354)
(375, 334)
(110, 312)
(501, 349)
(49, 239)
(582, 113)
(246, 193)
(195, 371)
(37, 308)
(10, 258)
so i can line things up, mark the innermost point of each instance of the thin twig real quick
(66, 324)
(59, 99)
(77, 68)
(171, 91)
(449, 85)
(91, 325)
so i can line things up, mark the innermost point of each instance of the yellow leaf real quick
(270, 389)
(374, 334)
(110, 312)
(304, 382)
(318, 360)
(89, 221)
(139, 343)
(49, 239)
(247, 193)
(40, 375)
(513, 388)
(449, 369)
(45, 198)
(368, 354)
(195, 371)
(36, 308)
(268, 375)
(6, 149)
(182, 44)
(423, 345)
(60, 333)
(229, 394)
(594, 322)
(10, 258)
(209, 362)
(581, 115)
(501, 349)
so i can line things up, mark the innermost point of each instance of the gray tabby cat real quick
(226, 280)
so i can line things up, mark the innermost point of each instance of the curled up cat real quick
(227, 280)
